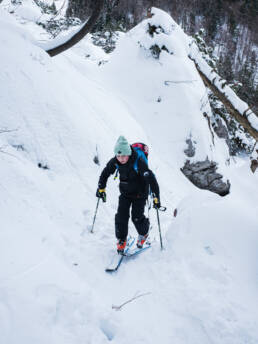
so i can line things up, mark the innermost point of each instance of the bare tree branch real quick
(82, 33)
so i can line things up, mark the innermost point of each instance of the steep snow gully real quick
(56, 114)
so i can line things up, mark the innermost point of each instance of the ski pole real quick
(160, 236)
(95, 215)
(149, 207)
(149, 202)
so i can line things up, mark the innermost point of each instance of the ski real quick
(118, 258)
(136, 250)
(128, 253)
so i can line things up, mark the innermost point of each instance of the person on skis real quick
(134, 190)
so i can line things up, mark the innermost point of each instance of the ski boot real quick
(121, 244)
(141, 240)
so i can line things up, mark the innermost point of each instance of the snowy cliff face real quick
(153, 73)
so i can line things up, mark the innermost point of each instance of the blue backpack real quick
(142, 151)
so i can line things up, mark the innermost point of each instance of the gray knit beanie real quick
(122, 147)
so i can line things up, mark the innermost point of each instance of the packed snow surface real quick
(58, 114)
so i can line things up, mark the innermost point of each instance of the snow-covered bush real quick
(162, 35)
(106, 40)
(55, 26)
(206, 51)
(46, 7)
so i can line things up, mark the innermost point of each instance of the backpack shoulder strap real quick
(140, 155)
(117, 168)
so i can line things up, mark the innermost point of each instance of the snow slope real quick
(53, 288)
(166, 96)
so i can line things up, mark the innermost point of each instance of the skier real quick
(134, 189)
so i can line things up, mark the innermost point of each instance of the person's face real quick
(122, 159)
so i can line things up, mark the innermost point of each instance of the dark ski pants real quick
(122, 216)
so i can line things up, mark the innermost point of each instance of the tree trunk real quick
(229, 106)
(82, 33)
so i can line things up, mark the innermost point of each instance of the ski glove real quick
(101, 193)
(156, 203)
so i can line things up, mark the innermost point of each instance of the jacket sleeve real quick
(105, 174)
(149, 176)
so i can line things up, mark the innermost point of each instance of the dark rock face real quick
(190, 150)
(220, 129)
(203, 175)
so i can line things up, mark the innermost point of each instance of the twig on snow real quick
(118, 308)
(7, 130)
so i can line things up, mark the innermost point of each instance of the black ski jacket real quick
(132, 184)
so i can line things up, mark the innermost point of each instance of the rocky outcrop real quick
(203, 175)
(190, 150)
(254, 158)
